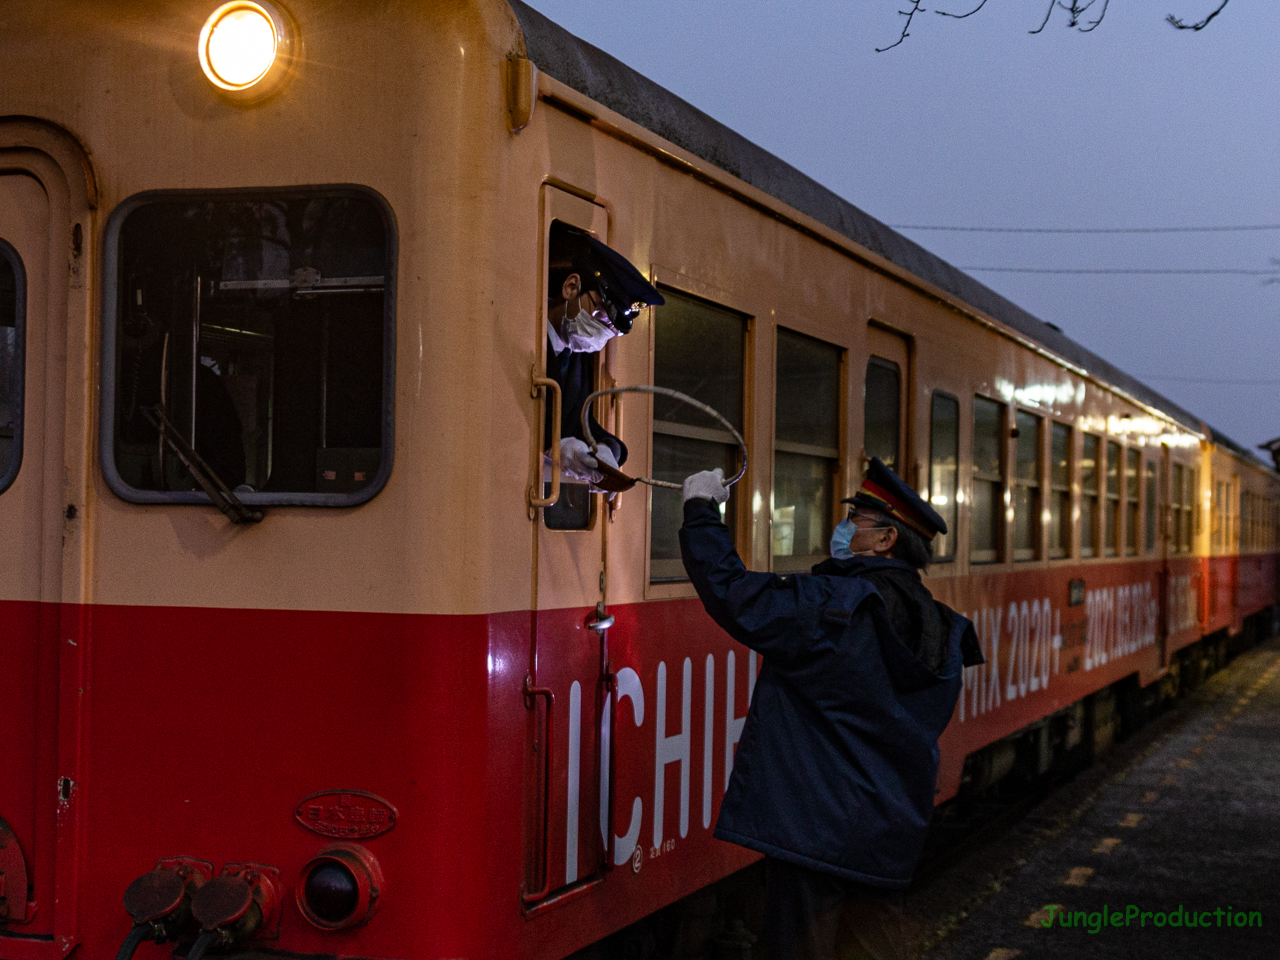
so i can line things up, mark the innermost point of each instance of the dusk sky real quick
(979, 123)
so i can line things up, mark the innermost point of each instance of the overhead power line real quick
(1273, 272)
(1227, 229)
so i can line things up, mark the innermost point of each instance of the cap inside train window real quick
(255, 328)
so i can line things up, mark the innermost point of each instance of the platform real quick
(1173, 852)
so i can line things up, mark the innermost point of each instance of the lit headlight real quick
(240, 42)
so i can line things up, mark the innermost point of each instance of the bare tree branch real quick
(1077, 16)
(1174, 21)
(961, 16)
(909, 14)
(1094, 24)
(1048, 14)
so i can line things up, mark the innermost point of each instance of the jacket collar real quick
(861, 566)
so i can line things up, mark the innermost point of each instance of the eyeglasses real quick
(854, 516)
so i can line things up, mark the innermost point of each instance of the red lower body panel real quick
(201, 730)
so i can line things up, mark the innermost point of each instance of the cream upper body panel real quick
(411, 101)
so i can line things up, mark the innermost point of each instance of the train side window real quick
(699, 349)
(1089, 470)
(1193, 510)
(1215, 531)
(1178, 501)
(12, 341)
(806, 446)
(986, 529)
(882, 425)
(944, 470)
(1060, 490)
(1111, 537)
(1228, 521)
(1026, 493)
(1245, 532)
(1153, 488)
(1132, 482)
(256, 327)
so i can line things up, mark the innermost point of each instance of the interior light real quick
(239, 43)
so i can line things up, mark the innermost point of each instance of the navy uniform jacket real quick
(575, 372)
(838, 759)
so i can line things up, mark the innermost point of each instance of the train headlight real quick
(240, 43)
(340, 887)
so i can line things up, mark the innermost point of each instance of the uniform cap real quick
(884, 490)
(624, 289)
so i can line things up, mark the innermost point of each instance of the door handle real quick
(601, 624)
(536, 385)
(531, 695)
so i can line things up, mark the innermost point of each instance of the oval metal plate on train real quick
(346, 814)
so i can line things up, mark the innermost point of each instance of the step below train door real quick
(565, 688)
(31, 468)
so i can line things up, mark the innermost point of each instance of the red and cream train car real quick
(386, 700)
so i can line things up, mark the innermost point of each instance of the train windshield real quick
(257, 330)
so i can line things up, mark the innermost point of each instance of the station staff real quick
(835, 771)
(594, 294)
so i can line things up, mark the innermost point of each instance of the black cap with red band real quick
(884, 490)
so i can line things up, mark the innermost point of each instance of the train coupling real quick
(241, 904)
(160, 902)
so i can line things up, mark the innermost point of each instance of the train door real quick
(564, 692)
(30, 559)
(885, 411)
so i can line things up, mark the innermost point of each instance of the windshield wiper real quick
(210, 482)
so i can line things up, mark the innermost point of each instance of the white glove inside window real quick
(577, 463)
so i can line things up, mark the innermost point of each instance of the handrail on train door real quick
(536, 385)
(531, 694)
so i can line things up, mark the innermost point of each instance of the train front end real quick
(248, 601)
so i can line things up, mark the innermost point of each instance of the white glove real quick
(605, 455)
(709, 484)
(576, 461)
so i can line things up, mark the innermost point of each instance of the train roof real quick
(609, 81)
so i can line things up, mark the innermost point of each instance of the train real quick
(306, 654)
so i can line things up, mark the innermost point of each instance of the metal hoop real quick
(675, 395)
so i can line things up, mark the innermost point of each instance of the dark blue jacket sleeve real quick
(784, 618)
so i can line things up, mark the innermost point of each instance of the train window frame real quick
(1112, 528)
(1150, 508)
(1031, 487)
(1179, 500)
(998, 482)
(734, 512)
(111, 284)
(1132, 495)
(1228, 517)
(834, 456)
(18, 383)
(1194, 505)
(950, 511)
(1060, 493)
(885, 366)
(1215, 514)
(1091, 497)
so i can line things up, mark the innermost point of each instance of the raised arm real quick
(791, 620)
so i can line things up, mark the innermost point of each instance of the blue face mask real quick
(840, 538)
